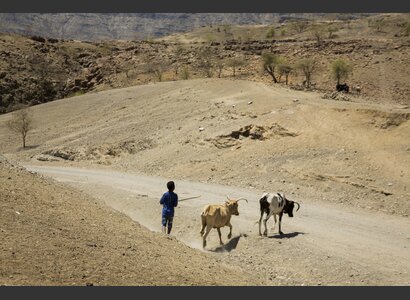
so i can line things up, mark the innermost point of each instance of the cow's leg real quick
(230, 230)
(274, 224)
(203, 219)
(280, 222)
(220, 236)
(260, 221)
(208, 229)
(265, 233)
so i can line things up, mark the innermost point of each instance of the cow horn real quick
(242, 199)
(297, 204)
(228, 198)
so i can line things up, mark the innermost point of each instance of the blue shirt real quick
(169, 200)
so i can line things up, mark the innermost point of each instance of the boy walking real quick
(169, 200)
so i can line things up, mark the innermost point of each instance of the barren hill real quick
(349, 158)
(204, 129)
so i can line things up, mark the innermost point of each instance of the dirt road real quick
(323, 244)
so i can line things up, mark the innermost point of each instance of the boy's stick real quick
(188, 198)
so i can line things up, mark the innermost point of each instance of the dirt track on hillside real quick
(323, 244)
(345, 162)
(346, 153)
(52, 234)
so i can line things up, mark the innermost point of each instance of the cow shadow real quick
(286, 235)
(229, 246)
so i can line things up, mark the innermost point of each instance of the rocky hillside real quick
(36, 70)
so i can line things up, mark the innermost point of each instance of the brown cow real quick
(217, 216)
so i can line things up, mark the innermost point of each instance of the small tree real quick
(340, 70)
(270, 62)
(205, 61)
(271, 33)
(45, 70)
(227, 32)
(308, 67)
(299, 26)
(21, 122)
(318, 33)
(185, 73)
(284, 70)
(407, 29)
(219, 64)
(331, 30)
(210, 38)
(155, 68)
(378, 24)
(247, 35)
(178, 56)
(235, 63)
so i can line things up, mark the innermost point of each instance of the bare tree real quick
(228, 32)
(284, 70)
(299, 26)
(331, 30)
(235, 63)
(178, 54)
(21, 122)
(185, 73)
(159, 72)
(247, 35)
(205, 61)
(308, 67)
(155, 68)
(318, 33)
(380, 24)
(219, 64)
(377, 23)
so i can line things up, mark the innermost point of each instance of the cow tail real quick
(263, 203)
(203, 216)
(204, 213)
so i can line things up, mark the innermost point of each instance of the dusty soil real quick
(52, 234)
(322, 245)
(350, 157)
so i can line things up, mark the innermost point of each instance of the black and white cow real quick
(275, 204)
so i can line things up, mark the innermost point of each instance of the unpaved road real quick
(323, 244)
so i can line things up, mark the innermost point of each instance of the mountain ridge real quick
(128, 26)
